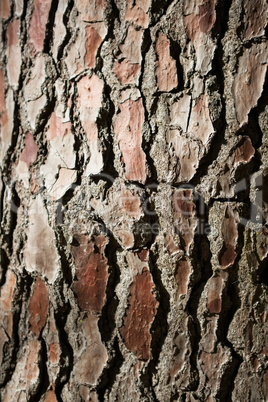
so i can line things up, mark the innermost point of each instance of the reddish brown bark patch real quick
(29, 152)
(249, 80)
(262, 243)
(32, 367)
(255, 18)
(200, 124)
(144, 255)
(126, 71)
(38, 23)
(184, 216)
(51, 396)
(207, 16)
(192, 26)
(91, 272)
(40, 252)
(3, 112)
(90, 363)
(214, 301)
(182, 275)
(201, 22)
(4, 9)
(227, 254)
(56, 128)
(126, 238)
(214, 306)
(38, 307)
(12, 33)
(182, 203)
(130, 203)
(91, 10)
(13, 52)
(92, 44)
(212, 364)
(244, 152)
(128, 130)
(54, 353)
(170, 244)
(166, 70)
(137, 12)
(6, 315)
(128, 65)
(140, 315)
(90, 92)
(180, 350)
(2, 93)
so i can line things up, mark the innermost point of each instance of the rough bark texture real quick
(134, 201)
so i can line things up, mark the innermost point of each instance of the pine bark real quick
(134, 203)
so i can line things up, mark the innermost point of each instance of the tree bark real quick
(134, 204)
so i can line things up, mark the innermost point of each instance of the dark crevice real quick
(252, 129)
(66, 357)
(175, 51)
(216, 144)
(107, 322)
(228, 379)
(263, 273)
(222, 18)
(4, 258)
(225, 319)
(262, 101)
(49, 27)
(231, 304)
(98, 58)
(10, 155)
(21, 294)
(4, 263)
(201, 256)
(39, 135)
(176, 397)
(78, 141)
(2, 198)
(105, 121)
(260, 272)
(219, 30)
(62, 204)
(9, 159)
(68, 34)
(112, 16)
(145, 47)
(158, 10)
(146, 145)
(107, 178)
(43, 375)
(12, 219)
(23, 36)
(189, 114)
(108, 377)
(65, 264)
(159, 327)
(229, 376)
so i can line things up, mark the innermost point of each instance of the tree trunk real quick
(134, 245)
